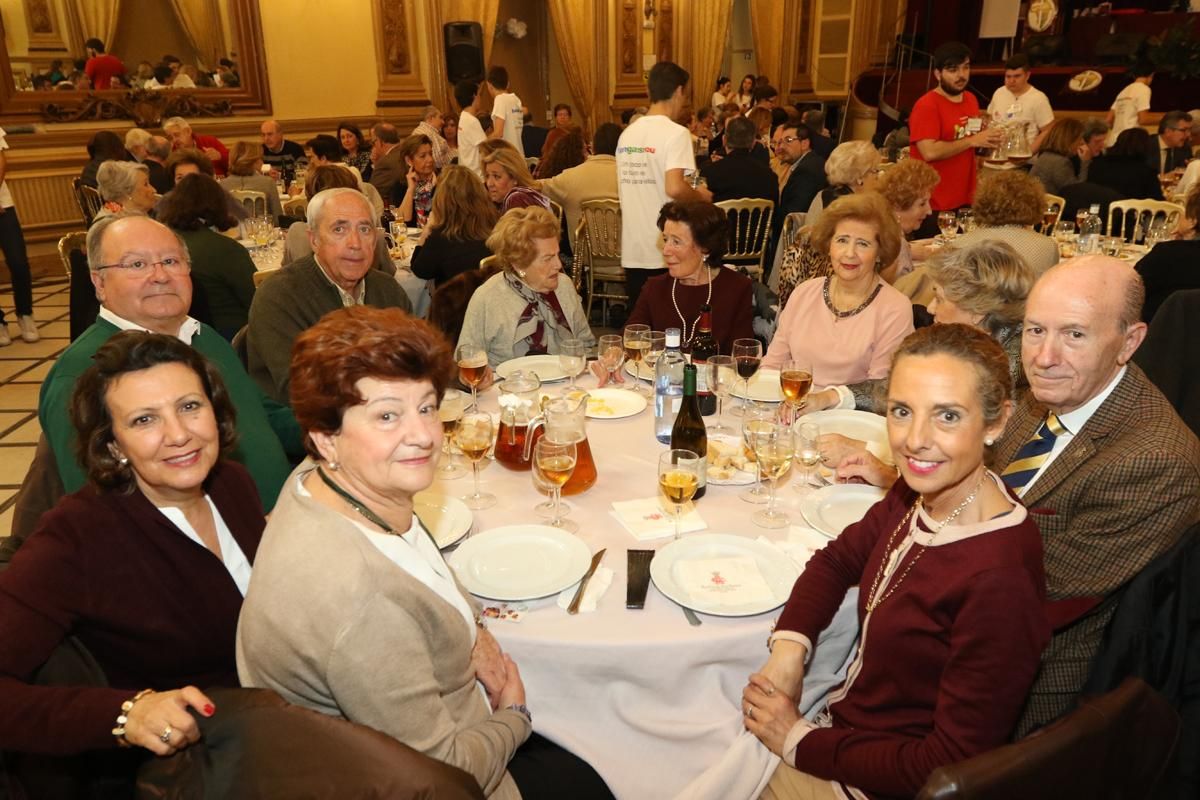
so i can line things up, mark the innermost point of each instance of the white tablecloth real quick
(649, 700)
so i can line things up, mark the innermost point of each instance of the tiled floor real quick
(22, 368)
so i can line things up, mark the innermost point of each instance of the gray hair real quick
(316, 206)
(1094, 127)
(430, 112)
(95, 237)
(117, 179)
(136, 137)
(176, 122)
(989, 278)
(850, 162)
(159, 147)
(386, 132)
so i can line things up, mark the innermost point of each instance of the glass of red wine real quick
(747, 355)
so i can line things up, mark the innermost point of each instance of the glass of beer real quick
(449, 413)
(554, 463)
(678, 479)
(474, 439)
(472, 368)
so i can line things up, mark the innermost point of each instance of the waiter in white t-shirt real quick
(508, 116)
(655, 163)
(1017, 99)
(1132, 106)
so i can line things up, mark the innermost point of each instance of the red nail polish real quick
(209, 709)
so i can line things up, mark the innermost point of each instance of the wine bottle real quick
(689, 432)
(387, 218)
(704, 347)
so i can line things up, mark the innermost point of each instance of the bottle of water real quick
(668, 386)
(1089, 231)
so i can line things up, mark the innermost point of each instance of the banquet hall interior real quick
(809, 125)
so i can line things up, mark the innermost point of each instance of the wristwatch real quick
(522, 709)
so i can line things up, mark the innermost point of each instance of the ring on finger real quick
(750, 712)
(165, 736)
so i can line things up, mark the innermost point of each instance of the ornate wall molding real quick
(396, 47)
(147, 108)
(665, 31)
(630, 88)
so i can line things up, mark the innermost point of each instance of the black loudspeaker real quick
(464, 51)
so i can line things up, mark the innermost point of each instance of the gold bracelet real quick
(123, 717)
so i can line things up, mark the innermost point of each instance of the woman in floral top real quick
(417, 151)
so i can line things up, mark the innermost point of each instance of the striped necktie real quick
(1033, 454)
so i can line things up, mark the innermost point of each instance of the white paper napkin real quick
(801, 543)
(732, 581)
(601, 579)
(647, 519)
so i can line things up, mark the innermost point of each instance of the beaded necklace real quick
(695, 322)
(845, 314)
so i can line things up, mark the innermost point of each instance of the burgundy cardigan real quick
(155, 609)
(946, 660)
(732, 306)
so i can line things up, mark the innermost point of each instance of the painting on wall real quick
(44, 26)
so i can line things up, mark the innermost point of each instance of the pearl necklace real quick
(707, 302)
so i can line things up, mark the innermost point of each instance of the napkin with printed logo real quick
(730, 581)
(647, 519)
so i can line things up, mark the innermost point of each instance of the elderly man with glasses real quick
(1173, 149)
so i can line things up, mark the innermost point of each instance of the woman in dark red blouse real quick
(949, 566)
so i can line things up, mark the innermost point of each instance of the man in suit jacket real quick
(1172, 149)
(338, 274)
(1122, 483)
(803, 176)
(388, 171)
(738, 174)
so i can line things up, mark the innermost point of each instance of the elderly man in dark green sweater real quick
(341, 229)
(141, 273)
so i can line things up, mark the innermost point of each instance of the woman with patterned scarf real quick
(528, 308)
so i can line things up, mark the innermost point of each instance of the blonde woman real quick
(462, 218)
(508, 181)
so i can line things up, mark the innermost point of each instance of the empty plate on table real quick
(547, 368)
(643, 370)
(831, 509)
(446, 518)
(520, 562)
(861, 425)
(614, 403)
(764, 386)
(772, 577)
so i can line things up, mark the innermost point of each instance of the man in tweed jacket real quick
(1125, 484)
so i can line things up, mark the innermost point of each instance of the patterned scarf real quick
(541, 309)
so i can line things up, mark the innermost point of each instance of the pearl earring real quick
(124, 461)
(334, 466)
(989, 442)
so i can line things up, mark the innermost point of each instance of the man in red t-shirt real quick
(101, 67)
(944, 128)
(182, 138)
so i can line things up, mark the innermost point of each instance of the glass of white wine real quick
(637, 342)
(773, 449)
(757, 419)
(678, 479)
(611, 353)
(554, 463)
(572, 357)
(474, 438)
(807, 436)
(449, 413)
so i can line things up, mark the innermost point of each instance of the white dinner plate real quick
(779, 573)
(447, 518)
(831, 509)
(547, 368)
(861, 425)
(614, 403)
(644, 370)
(764, 386)
(520, 562)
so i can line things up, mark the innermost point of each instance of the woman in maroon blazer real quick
(146, 566)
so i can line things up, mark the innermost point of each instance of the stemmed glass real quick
(747, 354)
(657, 346)
(773, 449)
(611, 352)
(472, 366)
(722, 373)
(966, 220)
(547, 508)
(572, 356)
(795, 381)
(449, 413)
(948, 225)
(758, 418)
(637, 342)
(807, 438)
(554, 463)
(474, 437)
(678, 479)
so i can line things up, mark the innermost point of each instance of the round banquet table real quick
(646, 698)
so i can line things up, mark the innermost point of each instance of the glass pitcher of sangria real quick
(564, 420)
(518, 408)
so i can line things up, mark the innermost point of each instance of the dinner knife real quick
(587, 576)
(637, 576)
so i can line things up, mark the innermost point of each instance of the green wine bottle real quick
(689, 432)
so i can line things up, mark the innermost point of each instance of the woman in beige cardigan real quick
(352, 611)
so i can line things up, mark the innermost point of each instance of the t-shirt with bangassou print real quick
(646, 150)
(936, 117)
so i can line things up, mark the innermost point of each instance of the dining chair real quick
(532, 163)
(599, 252)
(75, 241)
(296, 207)
(82, 304)
(1054, 204)
(749, 231)
(1144, 212)
(89, 201)
(254, 201)
(557, 211)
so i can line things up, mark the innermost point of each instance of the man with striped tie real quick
(1098, 455)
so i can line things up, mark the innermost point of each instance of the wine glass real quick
(546, 508)
(472, 366)
(948, 225)
(758, 419)
(773, 449)
(966, 220)
(722, 372)
(656, 347)
(572, 355)
(555, 462)
(611, 351)
(795, 381)
(449, 413)
(747, 355)
(807, 436)
(637, 342)
(1080, 216)
(474, 437)
(678, 479)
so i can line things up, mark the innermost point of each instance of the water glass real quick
(722, 374)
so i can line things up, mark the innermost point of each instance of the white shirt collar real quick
(1074, 421)
(189, 329)
(348, 299)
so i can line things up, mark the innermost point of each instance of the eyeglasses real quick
(138, 266)
(785, 140)
(1186, 129)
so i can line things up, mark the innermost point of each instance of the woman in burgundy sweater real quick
(949, 566)
(146, 566)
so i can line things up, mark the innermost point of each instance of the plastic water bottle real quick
(1089, 231)
(668, 386)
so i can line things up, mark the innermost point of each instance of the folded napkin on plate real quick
(731, 581)
(597, 586)
(801, 543)
(647, 519)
